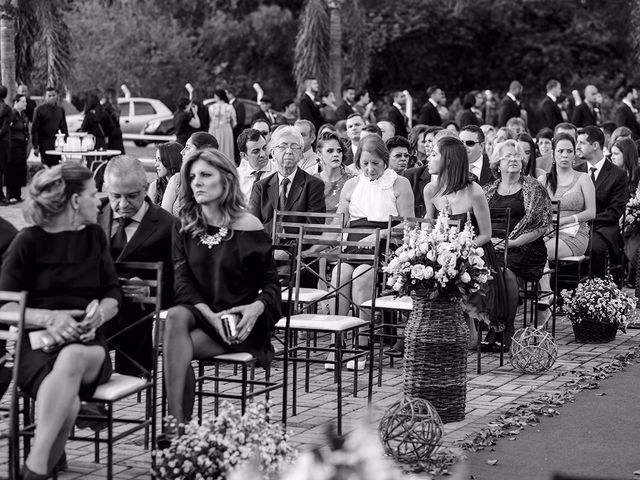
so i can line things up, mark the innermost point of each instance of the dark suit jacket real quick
(429, 115)
(485, 173)
(240, 114)
(309, 110)
(551, 114)
(306, 194)
(626, 118)
(418, 177)
(508, 109)
(343, 111)
(150, 243)
(584, 116)
(396, 117)
(612, 193)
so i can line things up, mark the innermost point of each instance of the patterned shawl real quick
(537, 206)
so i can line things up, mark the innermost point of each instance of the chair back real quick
(500, 227)
(285, 228)
(12, 322)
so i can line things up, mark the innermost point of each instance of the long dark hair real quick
(454, 171)
(552, 176)
(530, 169)
(231, 202)
(629, 157)
(171, 159)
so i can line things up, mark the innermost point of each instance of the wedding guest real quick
(186, 120)
(223, 264)
(62, 260)
(416, 146)
(624, 154)
(473, 140)
(530, 155)
(16, 173)
(333, 174)
(96, 122)
(309, 161)
(544, 138)
(168, 162)
(109, 103)
(626, 114)
(620, 132)
(398, 153)
(254, 161)
(6, 115)
(466, 116)
(197, 140)
(222, 121)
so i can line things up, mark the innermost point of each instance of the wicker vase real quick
(435, 357)
(588, 331)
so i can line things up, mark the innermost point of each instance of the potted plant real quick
(220, 444)
(439, 267)
(597, 308)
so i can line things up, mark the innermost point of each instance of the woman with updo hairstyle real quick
(334, 174)
(168, 163)
(223, 263)
(64, 263)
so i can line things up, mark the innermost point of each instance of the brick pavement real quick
(487, 394)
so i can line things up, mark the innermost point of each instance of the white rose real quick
(465, 278)
(417, 272)
(428, 272)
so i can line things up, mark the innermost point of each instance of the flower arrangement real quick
(598, 300)
(443, 261)
(632, 215)
(212, 449)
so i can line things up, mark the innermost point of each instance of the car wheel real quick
(140, 143)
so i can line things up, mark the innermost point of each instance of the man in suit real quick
(612, 193)
(626, 112)
(587, 112)
(551, 113)
(265, 112)
(254, 160)
(429, 112)
(290, 188)
(396, 113)
(309, 104)
(48, 119)
(348, 100)
(137, 231)
(510, 105)
(473, 139)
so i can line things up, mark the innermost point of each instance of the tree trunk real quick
(8, 48)
(335, 48)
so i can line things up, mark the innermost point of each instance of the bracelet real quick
(101, 313)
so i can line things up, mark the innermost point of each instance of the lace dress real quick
(571, 203)
(222, 120)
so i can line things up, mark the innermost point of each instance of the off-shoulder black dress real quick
(237, 271)
(63, 270)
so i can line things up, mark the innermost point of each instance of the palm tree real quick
(321, 47)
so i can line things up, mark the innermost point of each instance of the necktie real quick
(593, 174)
(283, 193)
(119, 240)
(256, 175)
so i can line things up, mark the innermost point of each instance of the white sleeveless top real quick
(375, 200)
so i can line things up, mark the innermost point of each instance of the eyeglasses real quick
(293, 146)
(509, 156)
(264, 132)
(470, 143)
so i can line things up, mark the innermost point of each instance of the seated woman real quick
(624, 154)
(530, 212)
(530, 155)
(198, 140)
(577, 196)
(223, 263)
(333, 174)
(455, 192)
(64, 263)
(168, 162)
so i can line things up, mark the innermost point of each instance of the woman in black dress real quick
(16, 176)
(96, 122)
(64, 263)
(223, 264)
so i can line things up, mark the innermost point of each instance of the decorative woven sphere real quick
(411, 430)
(533, 350)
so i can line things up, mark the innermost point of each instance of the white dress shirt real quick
(476, 167)
(247, 179)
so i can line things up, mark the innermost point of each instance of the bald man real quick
(587, 112)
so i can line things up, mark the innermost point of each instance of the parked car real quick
(164, 125)
(135, 113)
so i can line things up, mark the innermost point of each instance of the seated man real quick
(254, 160)
(138, 231)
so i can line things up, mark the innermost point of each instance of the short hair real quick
(287, 102)
(398, 141)
(263, 120)
(361, 94)
(283, 130)
(432, 89)
(545, 132)
(125, 166)
(327, 127)
(608, 127)
(594, 134)
(203, 139)
(353, 115)
(515, 85)
(18, 96)
(494, 161)
(446, 123)
(231, 203)
(51, 189)
(627, 89)
(551, 84)
(221, 94)
(565, 126)
(516, 121)
(474, 129)
(247, 135)
(182, 103)
(341, 126)
(373, 128)
(265, 99)
(375, 146)
(3, 92)
(51, 89)
(454, 172)
(310, 126)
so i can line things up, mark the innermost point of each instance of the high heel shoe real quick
(27, 474)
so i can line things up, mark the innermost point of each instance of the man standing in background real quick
(48, 119)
